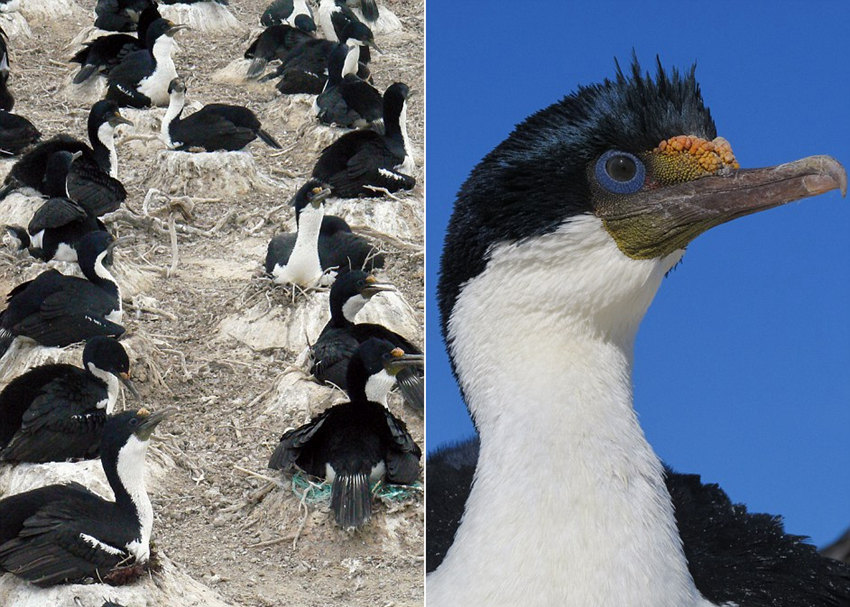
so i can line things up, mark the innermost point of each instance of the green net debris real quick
(308, 489)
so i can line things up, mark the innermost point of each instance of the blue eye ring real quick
(620, 172)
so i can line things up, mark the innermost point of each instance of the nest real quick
(51, 12)
(217, 174)
(202, 16)
(387, 23)
(88, 92)
(403, 218)
(15, 24)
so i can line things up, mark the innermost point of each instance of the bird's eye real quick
(620, 172)
(134, 421)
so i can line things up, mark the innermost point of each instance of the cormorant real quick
(361, 161)
(120, 15)
(57, 412)
(275, 42)
(296, 13)
(55, 230)
(216, 126)
(348, 101)
(105, 52)
(341, 336)
(65, 533)
(582, 211)
(322, 246)
(142, 78)
(16, 132)
(89, 180)
(58, 310)
(358, 442)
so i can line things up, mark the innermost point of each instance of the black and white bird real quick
(322, 247)
(56, 412)
(100, 55)
(558, 242)
(90, 180)
(56, 229)
(296, 13)
(356, 443)
(348, 101)
(275, 42)
(216, 126)
(16, 132)
(333, 14)
(304, 69)
(58, 310)
(120, 15)
(363, 163)
(65, 533)
(141, 79)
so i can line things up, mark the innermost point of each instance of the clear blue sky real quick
(743, 362)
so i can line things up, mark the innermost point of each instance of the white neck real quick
(352, 58)
(378, 387)
(102, 272)
(303, 267)
(565, 476)
(175, 105)
(131, 471)
(407, 164)
(112, 387)
(106, 135)
(155, 86)
(352, 306)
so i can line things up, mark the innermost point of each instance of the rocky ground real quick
(211, 337)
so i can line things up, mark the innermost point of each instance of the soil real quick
(211, 337)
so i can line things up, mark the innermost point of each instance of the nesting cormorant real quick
(65, 533)
(57, 412)
(322, 246)
(105, 52)
(55, 230)
(89, 180)
(120, 15)
(359, 162)
(333, 14)
(275, 42)
(342, 335)
(348, 101)
(296, 13)
(358, 442)
(58, 310)
(216, 126)
(16, 132)
(142, 78)
(595, 197)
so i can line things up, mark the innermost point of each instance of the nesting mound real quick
(49, 11)
(15, 24)
(89, 92)
(203, 16)
(387, 22)
(217, 174)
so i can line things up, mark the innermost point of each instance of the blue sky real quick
(743, 361)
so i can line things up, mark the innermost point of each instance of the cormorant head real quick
(312, 194)
(177, 87)
(105, 112)
(589, 202)
(305, 23)
(358, 32)
(373, 368)
(162, 27)
(107, 354)
(93, 245)
(126, 427)
(395, 98)
(352, 290)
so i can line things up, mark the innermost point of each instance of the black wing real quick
(331, 353)
(104, 53)
(403, 454)
(293, 441)
(212, 131)
(125, 77)
(348, 251)
(30, 168)
(55, 213)
(16, 133)
(280, 248)
(94, 189)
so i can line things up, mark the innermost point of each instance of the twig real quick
(172, 232)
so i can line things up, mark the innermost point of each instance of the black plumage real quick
(58, 310)
(120, 15)
(141, 79)
(88, 179)
(358, 162)
(336, 247)
(341, 336)
(296, 13)
(16, 132)
(732, 553)
(348, 101)
(6, 99)
(357, 442)
(55, 230)
(57, 412)
(65, 533)
(103, 53)
(216, 126)
(275, 42)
